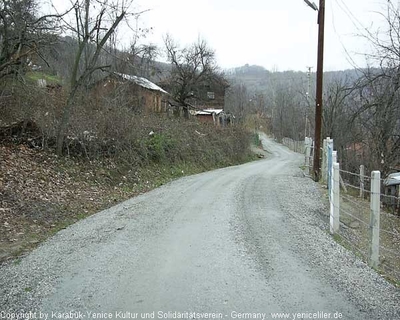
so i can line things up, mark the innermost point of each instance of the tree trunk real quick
(63, 126)
(186, 112)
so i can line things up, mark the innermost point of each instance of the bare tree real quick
(378, 109)
(93, 24)
(23, 33)
(337, 110)
(288, 115)
(378, 115)
(142, 57)
(237, 101)
(191, 66)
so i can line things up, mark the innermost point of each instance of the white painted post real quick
(329, 143)
(311, 155)
(375, 218)
(335, 205)
(362, 174)
(324, 162)
(330, 185)
(308, 153)
(305, 150)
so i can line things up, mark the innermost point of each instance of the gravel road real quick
(240, 242)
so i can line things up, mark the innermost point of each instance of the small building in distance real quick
(216, 116)
(137, 93)
(392, 190)
(208, 102)
(208, 115)
(209, 95)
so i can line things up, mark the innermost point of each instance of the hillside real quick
(258, 79)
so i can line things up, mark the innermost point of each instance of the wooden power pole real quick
(318, 106)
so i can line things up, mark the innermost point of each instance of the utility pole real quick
(309, 84)
(320, 74)
(308, 97)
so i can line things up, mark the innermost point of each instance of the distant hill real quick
(60, 56)
(258, 79)
(58, 59)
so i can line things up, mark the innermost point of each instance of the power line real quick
(359, 26)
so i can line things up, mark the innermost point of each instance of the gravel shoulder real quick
(250, 238)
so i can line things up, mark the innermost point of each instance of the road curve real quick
(235, 241)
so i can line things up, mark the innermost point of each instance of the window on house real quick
(210, 95)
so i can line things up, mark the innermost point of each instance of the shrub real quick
(100, 129)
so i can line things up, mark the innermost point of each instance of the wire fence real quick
(294, 145)
(305, 147)
(364, 212)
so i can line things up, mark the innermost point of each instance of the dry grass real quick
(354, 232)
(111, 155)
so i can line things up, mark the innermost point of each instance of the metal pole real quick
(318, 106)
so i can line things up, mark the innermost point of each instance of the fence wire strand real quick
(350, 242)
(396, 234)
(387, 196)
(354, 217)
(355, 174)
(395, 253)
(392, 270)
(354, 202)
(355, 206)
(358, 188)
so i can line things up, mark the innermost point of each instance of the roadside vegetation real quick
(111, 154)
(67, 150)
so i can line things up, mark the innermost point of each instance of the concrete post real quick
(362, 185)
(335, 203)
(308, 154)
(324, 171)
(375, 218)
(330, 162)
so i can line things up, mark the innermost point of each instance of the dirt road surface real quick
(246, 241)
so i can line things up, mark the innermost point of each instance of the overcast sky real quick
(276, 34)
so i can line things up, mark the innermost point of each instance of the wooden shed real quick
(138, 93)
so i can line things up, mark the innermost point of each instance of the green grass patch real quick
(256, 140)
(34, 76)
